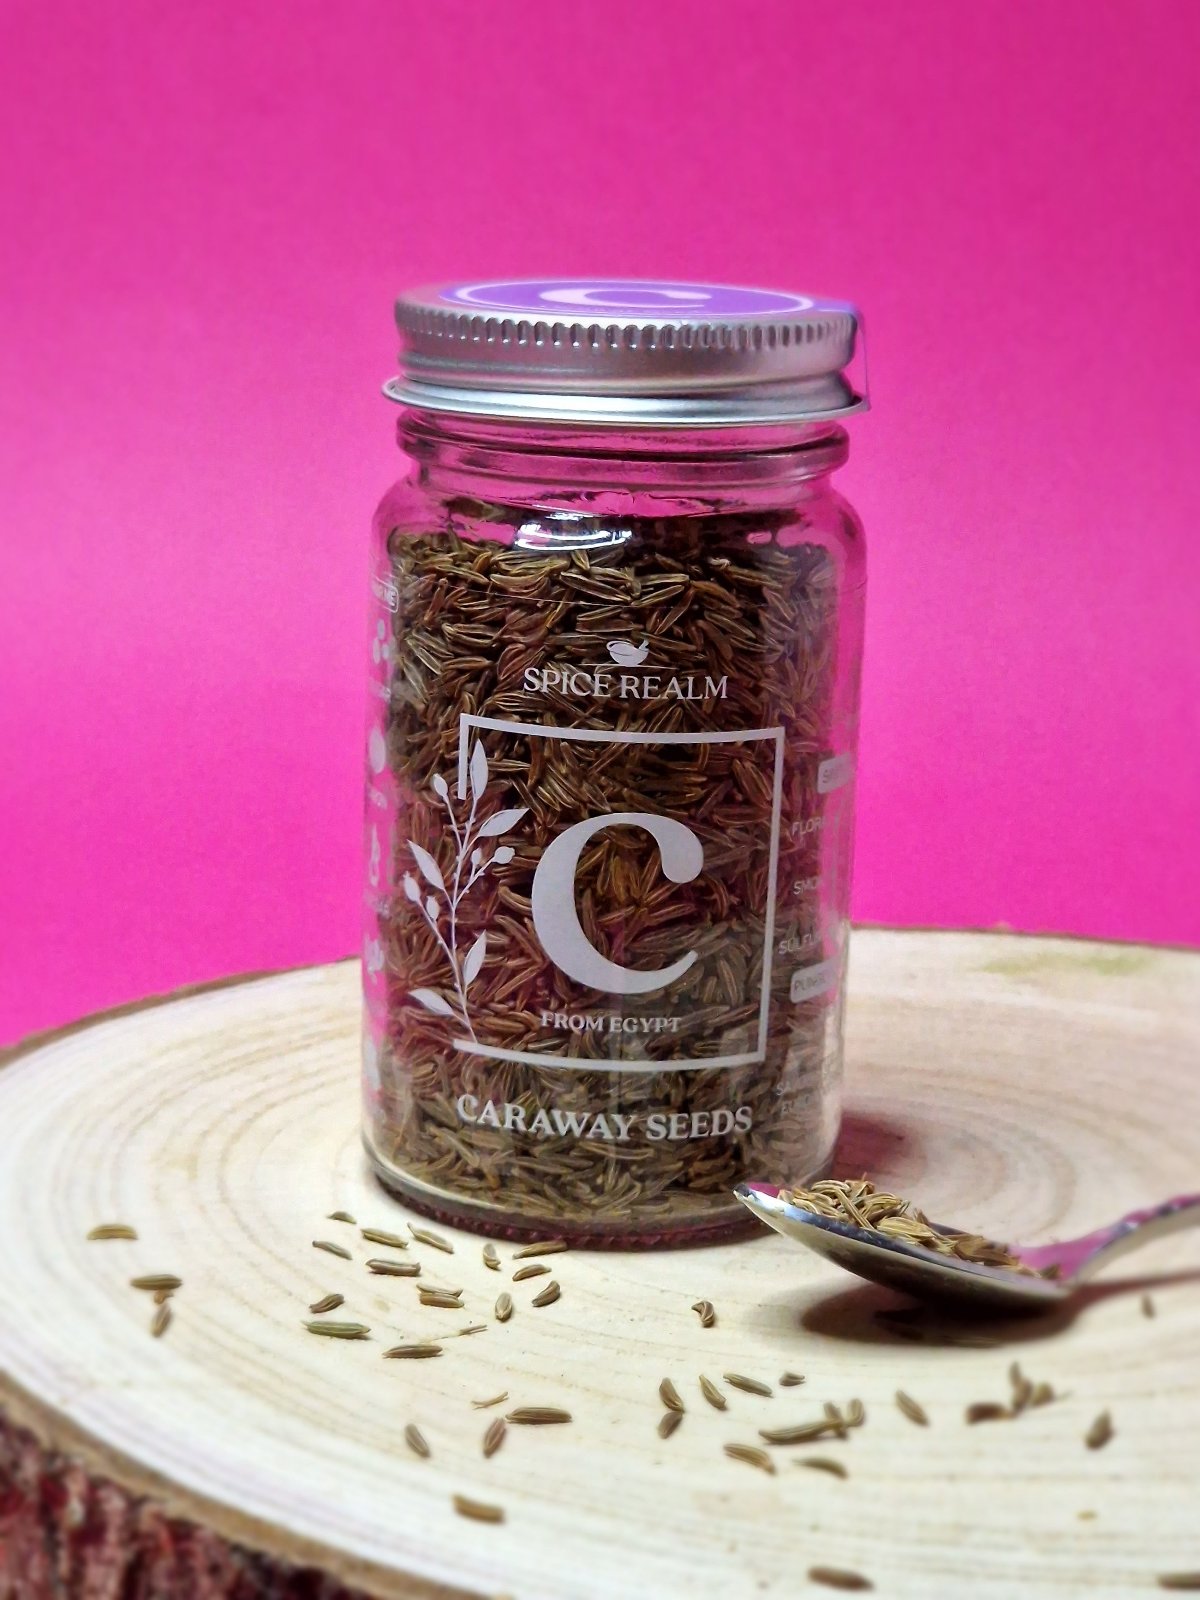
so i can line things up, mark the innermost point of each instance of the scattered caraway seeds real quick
(477, 1510)
(791, 1379)
(442, 1300)
(668, 1422)
(491, 1256)
(162, 1320)
(391, 1241)
(824, 1464)
(747, 1385)
(1041, 1394)
(435, 1240)
(1147, 1303)
(329, 1302)
(548, 1295)
(476, 1327)
(162, 1295)
(1179, 1580)
(339, 1330)
(496, 1400)
(113, 1230)
(987, 1411)
(712, 1394)
(156, 1280)
(541, 1247)
(333, 1249)
(494, 1437)
(538, 1416)
(535, 1270)
(911, 1409)
(416, 1441)
(1100, 1432)
(803, 1433)
(855, 1414)
(837, 1421)
(751, 1455)
(669, 1395)
(394, 1269)
(839, 1578)
(1087, 1516)
(340, 1216)
(404, 1352)
(504, 1307)
(1022, 1388)
(704, 1309)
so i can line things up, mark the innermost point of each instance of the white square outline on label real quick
(550, 730)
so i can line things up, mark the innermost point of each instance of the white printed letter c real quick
(557, 921)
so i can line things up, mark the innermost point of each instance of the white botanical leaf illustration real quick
(474, 960)
(432, 1001)
(476, 857)
(503, 855)
(432, 906)
(502, 822)
(440, 787)
(412, 888)
(427, 865)
(479, 769)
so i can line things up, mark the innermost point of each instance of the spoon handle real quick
(1078, 1259)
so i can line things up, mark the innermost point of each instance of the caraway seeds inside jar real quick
(614, 662)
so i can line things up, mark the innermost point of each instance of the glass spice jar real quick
(615, 649)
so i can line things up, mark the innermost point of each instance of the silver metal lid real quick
(626, 352)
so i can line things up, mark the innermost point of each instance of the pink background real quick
(208, 210)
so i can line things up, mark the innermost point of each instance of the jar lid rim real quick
(630, 352)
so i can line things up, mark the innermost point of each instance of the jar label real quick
(476, 816)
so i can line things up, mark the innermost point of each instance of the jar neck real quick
(539, 463)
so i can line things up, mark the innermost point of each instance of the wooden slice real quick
(1026, 1088)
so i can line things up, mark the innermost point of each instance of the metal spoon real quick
(929, 1276)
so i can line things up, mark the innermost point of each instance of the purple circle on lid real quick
(602, 298)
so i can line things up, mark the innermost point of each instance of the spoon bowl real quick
(926, 1275)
